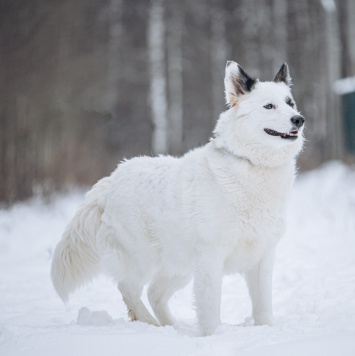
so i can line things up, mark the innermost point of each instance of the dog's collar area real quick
(225, 150)
(292, 135)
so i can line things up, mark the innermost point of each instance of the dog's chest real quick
(252, 209)
(254, 194)
(255, 201)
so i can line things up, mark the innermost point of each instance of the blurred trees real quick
(86, 83)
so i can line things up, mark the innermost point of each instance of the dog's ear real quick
(236, 82)
(283, 76)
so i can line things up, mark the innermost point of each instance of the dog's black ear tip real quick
(229, 63)
(285, 65)
(237, 81)
(283, 75)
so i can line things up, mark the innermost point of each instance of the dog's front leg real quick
(259, 280)
(207, 290)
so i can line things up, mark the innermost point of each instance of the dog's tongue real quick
(292, 133)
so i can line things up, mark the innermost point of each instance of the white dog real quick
(217, 210)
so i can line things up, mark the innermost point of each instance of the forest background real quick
(86, 83)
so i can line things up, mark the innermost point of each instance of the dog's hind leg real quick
(131, 294)
(160, 291)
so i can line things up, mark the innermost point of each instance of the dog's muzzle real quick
(292, 135)
(298, 121)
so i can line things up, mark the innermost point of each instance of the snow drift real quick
(314, 287)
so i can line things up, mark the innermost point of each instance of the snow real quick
(314, 287)
(345, 86)
(88, 317)
(329, 5)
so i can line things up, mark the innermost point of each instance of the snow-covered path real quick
(314, 288)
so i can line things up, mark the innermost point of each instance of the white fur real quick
(219, 209)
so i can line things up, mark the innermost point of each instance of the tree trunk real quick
(218, 54)
(333, 71)
(175, 30)
(113, 64)
(157, 65)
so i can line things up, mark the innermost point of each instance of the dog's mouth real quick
(292, 135)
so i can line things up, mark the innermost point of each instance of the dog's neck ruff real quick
(259, 156)
(225, 151)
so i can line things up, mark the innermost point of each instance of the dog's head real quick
(262, 123)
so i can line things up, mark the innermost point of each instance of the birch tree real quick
(174, 42)
(157, 65)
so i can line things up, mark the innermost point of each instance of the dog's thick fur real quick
(219, 209)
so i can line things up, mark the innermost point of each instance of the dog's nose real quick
(298, 120)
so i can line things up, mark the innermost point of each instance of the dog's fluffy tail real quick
(75, 260)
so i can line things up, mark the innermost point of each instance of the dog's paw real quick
(209, 329)
(263, 319)
(249, 321)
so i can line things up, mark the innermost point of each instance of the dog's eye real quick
(290, 103)
(269, 106)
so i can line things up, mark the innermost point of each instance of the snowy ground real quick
(314, 288)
